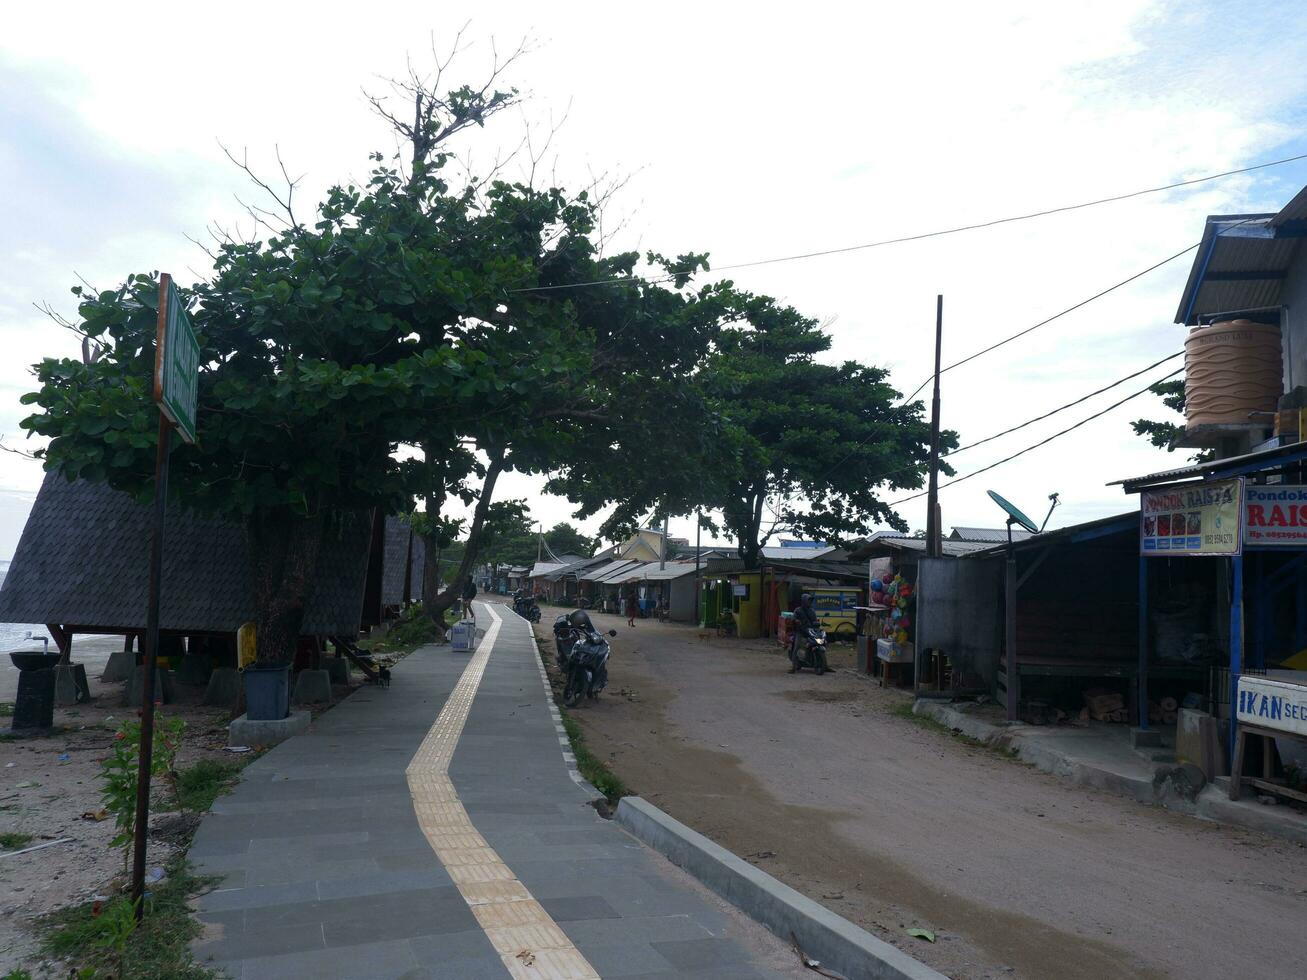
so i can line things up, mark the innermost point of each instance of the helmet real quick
(806, 598)
(580, 619)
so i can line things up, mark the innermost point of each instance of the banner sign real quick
(1203, 519)
(1275, 516)
(176, 361)
(1270, 702)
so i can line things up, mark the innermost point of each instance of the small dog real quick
(383, 676)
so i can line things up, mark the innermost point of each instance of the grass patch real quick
(199, 785)
(595, 772)
(905, 712)
(159, 947)
(12, 840)
(413, 629)
(6, 709)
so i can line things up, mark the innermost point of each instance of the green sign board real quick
(176, 361)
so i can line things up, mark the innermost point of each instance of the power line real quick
(1042, 442)
(1062, 408)
(998, 435)
(924, 235)
(1070, 309)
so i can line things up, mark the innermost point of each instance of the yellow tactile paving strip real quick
(522, 932)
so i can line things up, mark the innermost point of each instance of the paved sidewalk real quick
(328, 872)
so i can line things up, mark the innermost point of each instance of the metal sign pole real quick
(176, 387)
(151, 664)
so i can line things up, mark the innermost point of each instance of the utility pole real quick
(934, 534)
(662, 552)
(540, 542)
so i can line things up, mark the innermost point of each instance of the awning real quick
(1258, 462)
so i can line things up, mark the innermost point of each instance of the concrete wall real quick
(1294, 324)
(682, 604)
(958, 612)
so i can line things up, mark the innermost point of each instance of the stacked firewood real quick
(1103, 705)
(1163, 712)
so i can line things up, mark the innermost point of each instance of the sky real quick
(745, 131)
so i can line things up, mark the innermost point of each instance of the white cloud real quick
(755, 136)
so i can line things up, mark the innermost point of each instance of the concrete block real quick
(242, 731)
(312, 687)
(194, 670)
(120, 666)
(224, 687)
(338, 669)
(1145, 738)
(832, 939)
(70, 686)
(163, 689)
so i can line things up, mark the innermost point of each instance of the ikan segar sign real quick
(1269, 702)
(1275, 516)
(1196, 519)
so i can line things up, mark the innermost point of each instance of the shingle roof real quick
(398, 558)
(83, 560)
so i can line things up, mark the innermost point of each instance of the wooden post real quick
(1236, 644)
(1010, 624)
(1143, 643)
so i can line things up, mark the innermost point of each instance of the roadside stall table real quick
(1269, 708)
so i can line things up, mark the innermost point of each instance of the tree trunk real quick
(283, 553)
(447, 598)
(749, 546)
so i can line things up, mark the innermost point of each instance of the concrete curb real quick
(1211, 805)
(833, 940)
(564, 742)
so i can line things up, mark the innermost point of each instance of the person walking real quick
(632, 607)
(469, 593)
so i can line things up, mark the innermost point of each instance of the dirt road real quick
(821, 783)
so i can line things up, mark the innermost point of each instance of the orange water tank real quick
(1232, 369)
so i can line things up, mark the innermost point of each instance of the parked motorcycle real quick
(582, 653)
(810, 650)
(527, 607)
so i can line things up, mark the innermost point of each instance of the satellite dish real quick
(1014, 513)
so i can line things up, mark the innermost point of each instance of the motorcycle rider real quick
(805, 618)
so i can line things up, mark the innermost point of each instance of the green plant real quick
(91, 938)
(17, 975)
(119, 771)
(12, 841)
(6, 709)
(199, 785)
(117, 924)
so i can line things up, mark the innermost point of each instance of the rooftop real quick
(1241, 262)
(83, 562)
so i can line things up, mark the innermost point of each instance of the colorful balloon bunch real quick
(898, 595)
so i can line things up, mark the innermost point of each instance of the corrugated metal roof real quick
(798, 553)
(605, 573)
(1072, 534)
(542, 568)
(847, 571)
(83, 560)
(987, 534)
(650, 572)
(1224, 275)
(1214, 469)
(1295, 210)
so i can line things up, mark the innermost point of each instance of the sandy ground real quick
(895, 826)
(45, 796)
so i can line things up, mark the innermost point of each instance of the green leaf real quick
(925, 934)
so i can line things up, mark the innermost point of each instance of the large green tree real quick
(767, 435)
